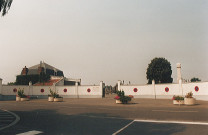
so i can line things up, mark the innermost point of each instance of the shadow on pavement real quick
(52, 123)
(143, 128)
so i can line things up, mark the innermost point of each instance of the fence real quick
(87, 91)
(166, 91)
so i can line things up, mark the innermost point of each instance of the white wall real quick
(90, 91)
(158, 90)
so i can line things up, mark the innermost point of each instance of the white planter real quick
(18, 99)
(189, 101)
(178, 102)
(118, 102)
(58, 99)
(50, 99)
(24, 99)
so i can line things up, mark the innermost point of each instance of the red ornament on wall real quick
(135, 89)
(196, 88)
(65, 90)
(42, 90)
(15, 90)
(88, 90)
(166, 89)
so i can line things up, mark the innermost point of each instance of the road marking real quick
(175, 122)
(34, 132)
(123, 128)
(173, 111)
(14, 122)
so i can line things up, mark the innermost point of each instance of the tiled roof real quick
(48, 83)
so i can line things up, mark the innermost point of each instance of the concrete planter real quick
(24, 99)
(58, 99)
(118, 102)
(50, 99)
(189, 101)
(18, 99)
(178, 102)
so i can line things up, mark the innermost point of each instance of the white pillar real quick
(153, 84)
(178, 72)
(0, 86)
(54, 87)
(119, 85)
(180, 87)
(30, 89)
(76, 89)
(101, 88)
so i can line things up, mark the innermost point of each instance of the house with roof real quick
(56, 76)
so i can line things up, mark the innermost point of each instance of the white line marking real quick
(175, 122)
(122, 128)
(14, 122)
(172, 111)
(34, 132)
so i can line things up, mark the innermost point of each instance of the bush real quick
(21, 94)
(178, 98)
(54, 94)
(25, 79)
(189, 95)
(121, 96)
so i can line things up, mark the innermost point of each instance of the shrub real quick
(121, 96)
(54, 94)
(177, 98)
(21, 94)
(189, 95)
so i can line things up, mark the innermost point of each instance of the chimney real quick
(24, 71)
(40, 68)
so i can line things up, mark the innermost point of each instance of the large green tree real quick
(5, 6)
(159, 70)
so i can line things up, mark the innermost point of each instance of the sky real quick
(105, 40)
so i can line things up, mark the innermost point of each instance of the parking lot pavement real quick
(164, 128)
(104, 117)
(7, 119)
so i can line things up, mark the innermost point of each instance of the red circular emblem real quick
(88, 90)
(135, 89)
(65, 90)
(166, 89)
(14, 90)
(196, 88)
(42, 90)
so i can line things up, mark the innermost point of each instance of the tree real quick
(194, 79)
(25, 79)
(159, 70)
(43, 77)
(5, 6)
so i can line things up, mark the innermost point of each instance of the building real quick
(56, 75)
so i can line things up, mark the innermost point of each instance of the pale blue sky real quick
(106, 40)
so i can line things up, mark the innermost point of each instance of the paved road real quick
(7, 119)
(104, 117)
